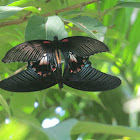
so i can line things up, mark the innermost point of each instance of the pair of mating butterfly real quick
(45, 66)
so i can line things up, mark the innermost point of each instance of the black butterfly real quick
(45, 66)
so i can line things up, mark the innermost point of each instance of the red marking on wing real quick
(84, 60)
(73, 60)
(78, 69)
(65, 40)
(46, 42)
(40, 73)
(53, 69)
(44, 75)
(34, 68)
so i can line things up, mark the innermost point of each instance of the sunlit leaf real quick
(19, 2)
(32, 9)
(13, 130)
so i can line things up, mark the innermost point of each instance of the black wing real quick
(83, 46)
(27, 51)
(90, 79)
(28, 81)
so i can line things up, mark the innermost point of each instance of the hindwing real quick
(88, 79)
(28, 81)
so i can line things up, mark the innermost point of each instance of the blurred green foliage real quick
(86, 115)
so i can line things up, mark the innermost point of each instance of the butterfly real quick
(45, 65)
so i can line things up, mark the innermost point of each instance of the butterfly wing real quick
(28, 81)
(28, 51)
(89, 79)
(83, 46)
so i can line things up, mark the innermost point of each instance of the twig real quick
(75, 6)
(98, 7)
(109, 10)
(19, 70)
(111, 26)
(24, 18)
(70, 8)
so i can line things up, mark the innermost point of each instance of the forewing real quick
(27, 51)
(28, 81)
(83, 46)
(90, 79)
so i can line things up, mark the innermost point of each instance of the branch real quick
(24, 18)
(18, 21)
(71, 7)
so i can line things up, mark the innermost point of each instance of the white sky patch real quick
(11, 137)
(138, 49)
(7, 121)
(132, 106)
(36, 104)
(60, 111)
(50, 122)
(134, 15)
(79, 139)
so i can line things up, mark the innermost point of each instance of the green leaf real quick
(5, 105)
(22, 102)
(73, 13)
(32, 9)
(85, 94)
(129, 4)
(19, 2)
(90, 26)
(45, 28)
(62, 130)
(92, 127)
(7, 11)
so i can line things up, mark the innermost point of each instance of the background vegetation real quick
(108, 115)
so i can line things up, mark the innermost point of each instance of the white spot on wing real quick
(43, 61)
(72, 57)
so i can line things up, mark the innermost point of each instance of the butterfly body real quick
(45, 65)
